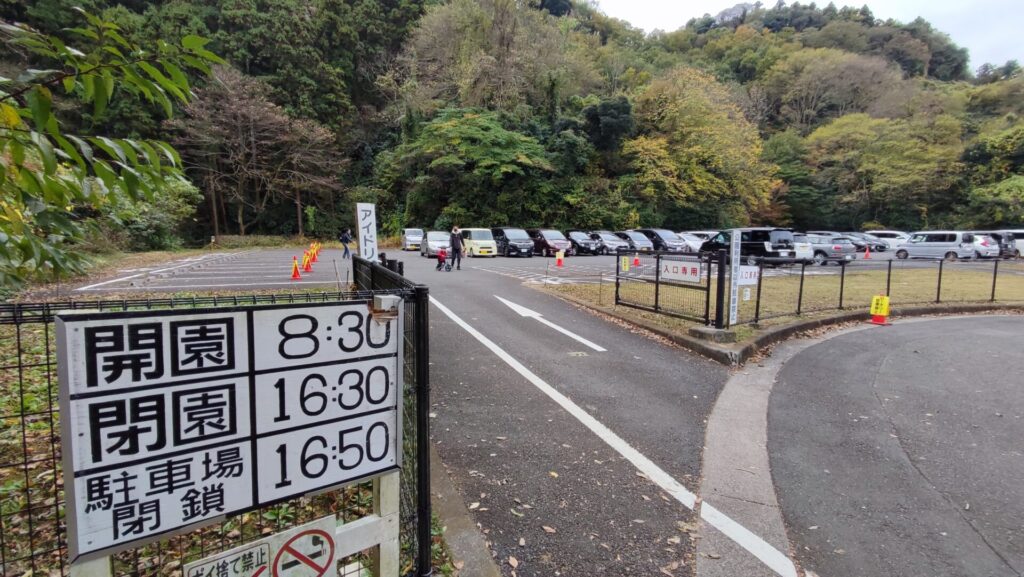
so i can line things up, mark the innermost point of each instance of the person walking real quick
(455, 241)
(346, 237)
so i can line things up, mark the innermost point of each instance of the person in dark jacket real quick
(455, 240)
(345, 237)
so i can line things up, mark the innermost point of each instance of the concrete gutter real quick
(468, 549)
(735, 354)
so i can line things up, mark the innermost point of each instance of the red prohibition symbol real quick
(316, 563)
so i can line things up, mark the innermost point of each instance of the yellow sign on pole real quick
(880, 306)
(624, 264)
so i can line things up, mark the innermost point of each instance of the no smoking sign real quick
(308, 554)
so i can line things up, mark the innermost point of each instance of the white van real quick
(938, 244)
(893, 238)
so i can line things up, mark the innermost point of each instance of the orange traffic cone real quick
(313, 252)
(636, 260)
(295, 268)
(559, 260)
(867, 251)
(306, 265)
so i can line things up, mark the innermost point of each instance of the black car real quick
(582, 243)
(664, 239)
(512, 241)
(755, 243)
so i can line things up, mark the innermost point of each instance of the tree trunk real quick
(212, 195)
(298, 211)
(241, 219)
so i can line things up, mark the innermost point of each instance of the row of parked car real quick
(756, 242)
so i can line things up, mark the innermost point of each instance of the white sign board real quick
(313, 542)
(366, 220)
(683, 270)
(734, 262)
(748, 275)
(168, 415)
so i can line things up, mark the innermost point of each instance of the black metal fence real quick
(669, 283)
(784, 287)
(32, 508)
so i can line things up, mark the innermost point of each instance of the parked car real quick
(893, 238)
(755, 243)
(411, 238)
(692, 241)
(547, 241)
(664, 239)
(1005, 239)
(636, 240)
(701, 234)
(1018, 240)
(610, 242)
(512, 241)
(827, 233)
(435, 240)
(479, 242)
(862, 240)
(802, 249)
(985, 246)
(947, 244)
(582, 243)
(825, 248)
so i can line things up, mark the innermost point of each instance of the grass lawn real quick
(781, 291)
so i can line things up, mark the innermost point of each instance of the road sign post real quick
(734, 276)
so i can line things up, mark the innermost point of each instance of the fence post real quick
(421, 338)
(707, 292)
(800, 295)
(757, 302)
(995, 275)
(842, 282)
(888, 279)
(657, 281)
(938, 288)
(720, 292)
(618, 268)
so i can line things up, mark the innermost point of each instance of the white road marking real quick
(525, 312)
(773, 558)
(192, 262)
(161, 287)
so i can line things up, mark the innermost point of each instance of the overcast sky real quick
(990, 29)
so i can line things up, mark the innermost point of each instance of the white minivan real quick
(893, 238)
(938, 244)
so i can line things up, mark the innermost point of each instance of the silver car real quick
(435, 241)
(412, 238)
(938, 244)
(826, 248)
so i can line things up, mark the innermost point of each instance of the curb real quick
(736, 355)
(461, 534)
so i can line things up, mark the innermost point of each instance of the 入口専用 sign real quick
(686, 271)
(168, 415)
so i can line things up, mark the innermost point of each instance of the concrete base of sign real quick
(713, 335)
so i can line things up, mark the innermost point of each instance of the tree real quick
(45, 170)
(250, 155)
(608, 122)
(996, 205)
(464, 164)
(714, 151)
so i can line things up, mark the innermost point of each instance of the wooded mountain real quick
(549, 112)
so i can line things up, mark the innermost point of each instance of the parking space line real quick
(124, 278)
(770, 556)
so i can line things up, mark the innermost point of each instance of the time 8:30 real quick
(301, 338)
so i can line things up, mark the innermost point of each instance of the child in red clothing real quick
(442, 256)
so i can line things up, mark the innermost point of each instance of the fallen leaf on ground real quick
(474, 506)
(548, 529)
(513, 562)
(553, 474)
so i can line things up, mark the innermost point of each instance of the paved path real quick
(899, 451)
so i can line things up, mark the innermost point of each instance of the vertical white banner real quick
(734, 276)
(366, 219)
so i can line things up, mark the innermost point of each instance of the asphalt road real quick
(528, 463)
(900, 451)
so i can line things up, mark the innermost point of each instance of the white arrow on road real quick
(523, 311)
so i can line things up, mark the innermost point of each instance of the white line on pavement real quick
(525, 312)
(160, 287)
(190, 263)
(772, 557)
